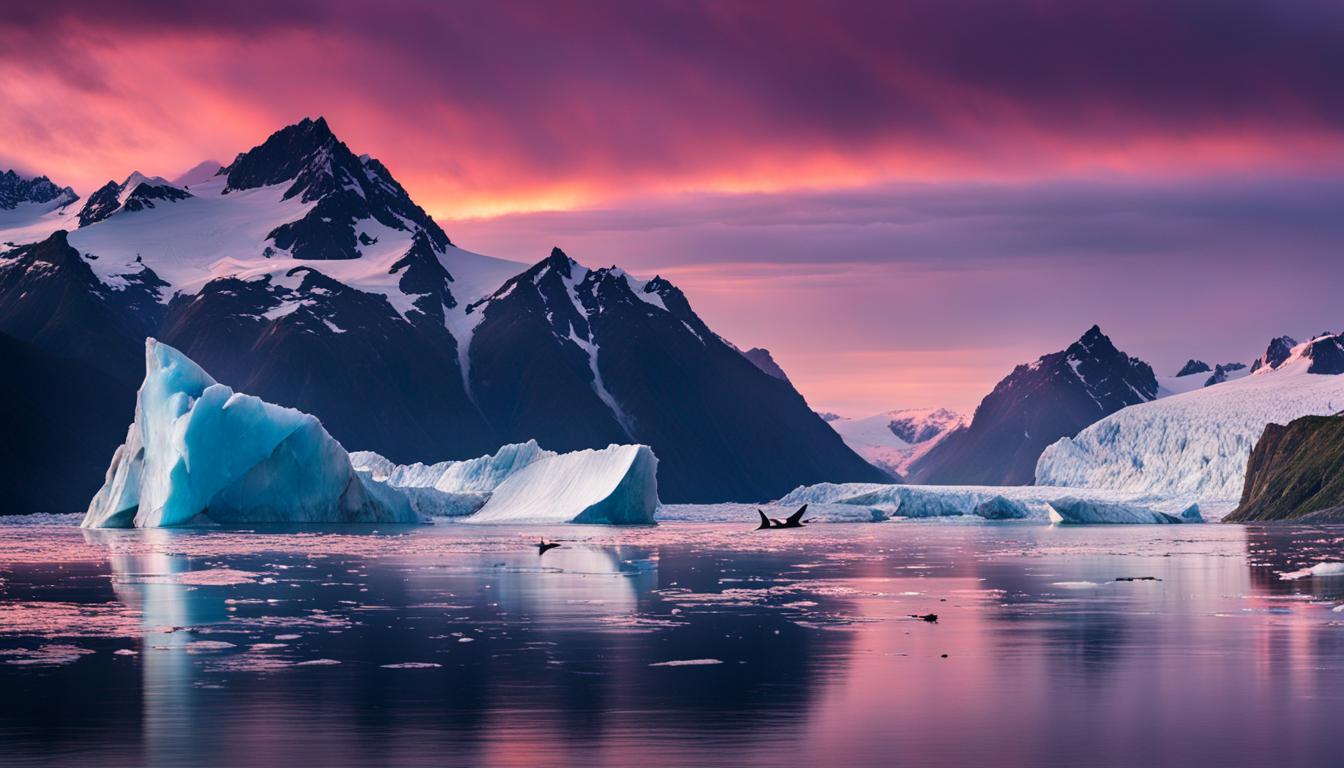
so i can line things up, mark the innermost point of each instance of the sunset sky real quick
(900, 200)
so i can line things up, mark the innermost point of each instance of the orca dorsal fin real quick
(797, 517)
(765, 521)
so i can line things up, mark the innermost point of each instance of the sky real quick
(901, 200)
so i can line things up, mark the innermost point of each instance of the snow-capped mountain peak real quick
(32, 208)
(893, 440)
(1279, 350)
(307, 275)
(136, 193)
(16, 190)
(201, 172)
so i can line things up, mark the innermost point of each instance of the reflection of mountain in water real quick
(558, 662)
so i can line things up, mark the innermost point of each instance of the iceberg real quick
(198, 452)
(1030, 502)
(614, 485)
(524, 483)
(450, 488)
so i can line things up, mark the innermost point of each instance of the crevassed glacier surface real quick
(198, 452)
(1194, 444)
(1042, 503)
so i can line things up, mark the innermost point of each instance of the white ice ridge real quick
(617, 485)
(1192, 445)
(198, 452)
(450, 488)
(1042, 503)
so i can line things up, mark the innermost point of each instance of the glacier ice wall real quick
(614, 485)
(1194, 444)
(198, 452)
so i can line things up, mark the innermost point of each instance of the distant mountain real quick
(136, 193)
(630, 360)
(1197, 444)
(1035, 405)
(1224, 372)
(201, 172)
(1276, 353)
(32, 208)
(761, 358)
(1193, 367)
(306, 275)
(893, 440)
(15, 190)
(1295, 472)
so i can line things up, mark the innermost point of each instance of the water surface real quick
(685, 644)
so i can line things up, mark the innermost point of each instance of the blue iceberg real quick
(200, 453)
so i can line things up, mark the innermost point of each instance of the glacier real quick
(1038, 503)
(1195, 444)
(198, 452)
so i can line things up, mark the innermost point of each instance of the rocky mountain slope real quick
(1295, 472)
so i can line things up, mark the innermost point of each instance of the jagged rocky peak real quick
(306, 153)
(136, 193)
(16, 189)
(1222, 372)
(1106, 371)
(1035, 405)
(1326, 353)
(761, 358)
(355, 196)
(1192, 367)
(1276, 353)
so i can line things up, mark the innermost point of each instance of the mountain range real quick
(305, 274)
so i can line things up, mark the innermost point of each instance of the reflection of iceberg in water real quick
(576, 582)
(145, 578)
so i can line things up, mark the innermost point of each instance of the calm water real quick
(681, 645)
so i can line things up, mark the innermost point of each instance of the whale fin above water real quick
(796, 519)
(765, 521)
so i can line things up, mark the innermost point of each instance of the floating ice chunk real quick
(1093, 511)
(687, 663)
(199, 452)
(617, 485)
(1070, 505)
(1319, 569)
